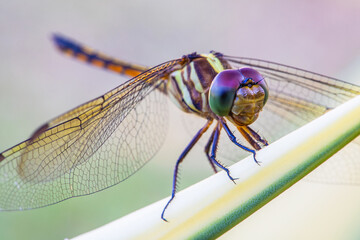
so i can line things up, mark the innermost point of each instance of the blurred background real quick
(37, 83)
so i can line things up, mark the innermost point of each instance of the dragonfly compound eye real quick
(223, 90)
(250, 97)
(256, 79)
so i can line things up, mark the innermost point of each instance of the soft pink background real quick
(37, 83)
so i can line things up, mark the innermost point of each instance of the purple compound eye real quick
(223, 90)
(255, 76)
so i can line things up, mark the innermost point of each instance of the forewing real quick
(90, 148)
(297, 97)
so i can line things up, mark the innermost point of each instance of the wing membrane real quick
(297, 97)
(89, 148)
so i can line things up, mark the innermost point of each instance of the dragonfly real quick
(106, 140)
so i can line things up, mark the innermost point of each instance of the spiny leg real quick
(216, 133)
(181, 158)
(207, 150)
(233, 139)
(256, 136)
(249, 138)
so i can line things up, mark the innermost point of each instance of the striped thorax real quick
(207, 87)
(189, 87)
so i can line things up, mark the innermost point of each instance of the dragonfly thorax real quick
(189, 87)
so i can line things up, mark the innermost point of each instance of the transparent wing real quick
(296, 97)
(89, 148)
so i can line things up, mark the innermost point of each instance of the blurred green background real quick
(37, 83)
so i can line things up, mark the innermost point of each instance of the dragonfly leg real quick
(215, 142)
(249, 138)
(256, 136)
(207, 150)
(252, 137)
(233, 139)
(180, 159)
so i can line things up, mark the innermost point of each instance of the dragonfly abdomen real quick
(189, 87)
(86, 54)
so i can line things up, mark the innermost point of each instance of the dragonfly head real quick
(238, 94)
